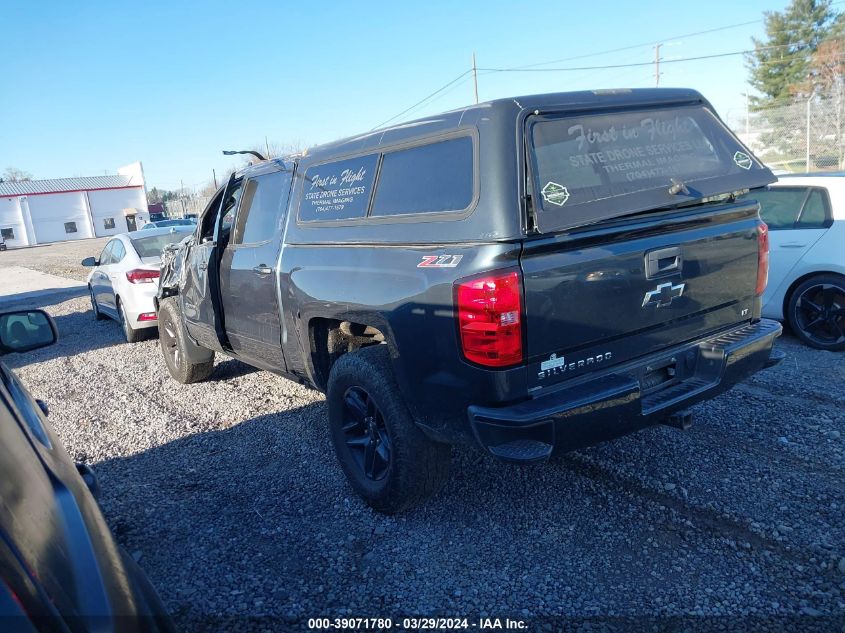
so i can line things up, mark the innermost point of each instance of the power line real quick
(636, 64)
(535, 67)
(609, 66)
(634, 46)
(653, 42)
(423, 100)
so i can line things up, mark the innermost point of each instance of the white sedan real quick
(125, 278)
(806, 219)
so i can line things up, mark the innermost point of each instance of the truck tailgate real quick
(609, 294)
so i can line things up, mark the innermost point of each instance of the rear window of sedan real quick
(151, 246)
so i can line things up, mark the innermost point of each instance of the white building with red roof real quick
(43, 211)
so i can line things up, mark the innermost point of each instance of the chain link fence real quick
(187, 205)
(804, 136)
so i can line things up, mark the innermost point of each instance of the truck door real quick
(248, 271)
(201, 305)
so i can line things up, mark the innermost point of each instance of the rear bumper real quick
(625, 398)
(141, 300)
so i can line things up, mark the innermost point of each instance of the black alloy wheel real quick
(365, 433)
(386, 457)
(168, 339)
(818, 313)
(185, 364)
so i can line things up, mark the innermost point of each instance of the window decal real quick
(338, 190)
(743, 160)
(554, 193)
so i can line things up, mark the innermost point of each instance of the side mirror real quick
(26, 330)
(90, 261)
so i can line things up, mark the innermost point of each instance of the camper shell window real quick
(588, 168)
(429, 176)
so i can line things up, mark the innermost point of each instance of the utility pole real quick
(266, 147)
(475, 76)
(657, 64)
(214, 175)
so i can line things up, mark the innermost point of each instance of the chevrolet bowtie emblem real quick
(662, 295)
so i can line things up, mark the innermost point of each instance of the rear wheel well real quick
(332, 338)
(788, 294)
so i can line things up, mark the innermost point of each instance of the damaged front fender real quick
(172, 269)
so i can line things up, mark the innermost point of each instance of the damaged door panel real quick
(200, 294)
(247, 271)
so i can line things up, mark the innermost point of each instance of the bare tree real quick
(13, 174)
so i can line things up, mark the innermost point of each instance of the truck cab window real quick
(230, 206)
(260, 208)
(209, 216)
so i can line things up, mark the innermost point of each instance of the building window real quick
(7, 234)
(108, 223)
(70, 227)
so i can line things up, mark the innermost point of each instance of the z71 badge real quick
(440, 261)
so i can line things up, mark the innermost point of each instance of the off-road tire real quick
(836, 285)
(418, 466)
(129, 333)
(172, 341)
(99, 316)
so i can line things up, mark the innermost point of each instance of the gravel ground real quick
(57, 259)
(229, 495)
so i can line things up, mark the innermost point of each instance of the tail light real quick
(762, 257)
(490, 319)
(141, 276)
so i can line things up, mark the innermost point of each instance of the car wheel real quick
(387, 459)
(171, 335)
(129, 333)
(816, 312)
(94, 307)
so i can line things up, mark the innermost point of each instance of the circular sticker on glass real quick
(743, 160)
(554, 193)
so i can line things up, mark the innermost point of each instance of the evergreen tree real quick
(780, 64)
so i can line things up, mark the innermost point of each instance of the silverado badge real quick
(663, 295)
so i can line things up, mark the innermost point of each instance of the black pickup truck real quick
(532, 275)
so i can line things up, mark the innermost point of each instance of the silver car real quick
(125, 278)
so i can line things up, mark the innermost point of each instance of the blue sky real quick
(91, 86)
